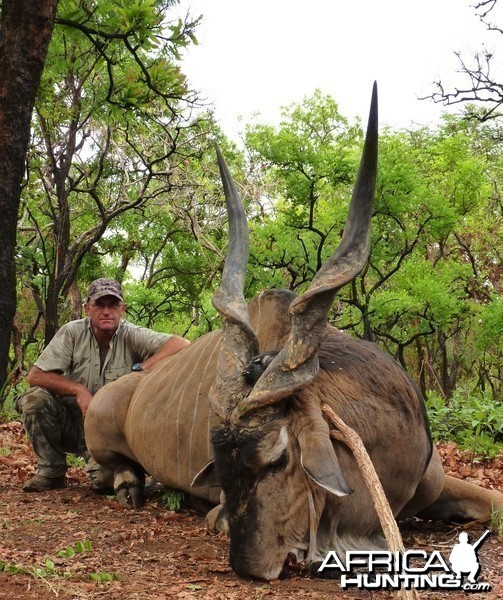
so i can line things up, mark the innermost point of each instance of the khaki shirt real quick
(74, 352)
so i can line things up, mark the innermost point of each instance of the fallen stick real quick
(348, 436)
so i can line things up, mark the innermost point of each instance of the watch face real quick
(137, 367)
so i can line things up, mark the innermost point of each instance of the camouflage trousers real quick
(55, 427)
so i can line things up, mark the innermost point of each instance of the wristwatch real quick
(137, 367)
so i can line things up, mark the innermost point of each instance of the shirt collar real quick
(88, 323)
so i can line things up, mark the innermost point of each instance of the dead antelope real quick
(222, 416)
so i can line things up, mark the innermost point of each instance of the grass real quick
(496, 523)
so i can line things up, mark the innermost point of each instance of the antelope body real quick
(198, 424)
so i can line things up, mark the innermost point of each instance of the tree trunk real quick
(421, 361)
(25, 32)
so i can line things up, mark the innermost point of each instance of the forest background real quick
(121, 181)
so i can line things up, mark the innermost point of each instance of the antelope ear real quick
(206, 477)
(319, 461)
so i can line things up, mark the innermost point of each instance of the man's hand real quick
(57, 384)
(84, 397)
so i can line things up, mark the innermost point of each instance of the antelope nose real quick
(246, 567)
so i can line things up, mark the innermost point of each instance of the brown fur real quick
(163, 421)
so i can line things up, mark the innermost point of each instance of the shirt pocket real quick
(115, 373)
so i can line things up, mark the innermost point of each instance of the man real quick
(464, 559)
(83, 356)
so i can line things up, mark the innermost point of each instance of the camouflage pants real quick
(55, 426)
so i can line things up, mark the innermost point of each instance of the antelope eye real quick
(280, 463)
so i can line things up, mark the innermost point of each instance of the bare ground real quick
(72, 544)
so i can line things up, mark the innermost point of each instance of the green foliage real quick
(50, 568)
(47, 569)
(427, 294)
(104, 577)
(496, 523)
(75, 461)
(78, 548)
(491, 325)
(111, 133)
(7, 410)
(422, 297)
(473, 421)
(173, 499)
(311, 158)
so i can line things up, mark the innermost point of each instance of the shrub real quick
(473, 420)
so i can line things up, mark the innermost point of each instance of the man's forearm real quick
(54, 382)
(172, 346)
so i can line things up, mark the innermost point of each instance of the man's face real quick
(105, 313)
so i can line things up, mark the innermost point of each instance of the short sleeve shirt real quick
(74, 352)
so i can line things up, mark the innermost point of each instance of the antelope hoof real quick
(326, 573)
(128, 487)
(217, 520)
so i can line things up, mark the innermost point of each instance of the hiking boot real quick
(39, 483)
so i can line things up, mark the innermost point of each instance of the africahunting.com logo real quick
(418, 569)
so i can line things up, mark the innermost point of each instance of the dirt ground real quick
(72, 544)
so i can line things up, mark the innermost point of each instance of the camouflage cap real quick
(105, 287)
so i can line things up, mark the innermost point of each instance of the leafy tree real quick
(427, 272)
(111, 124)
(166, 251)
(175, 248)
(310, 159)
(112, 121)
(424, 283)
